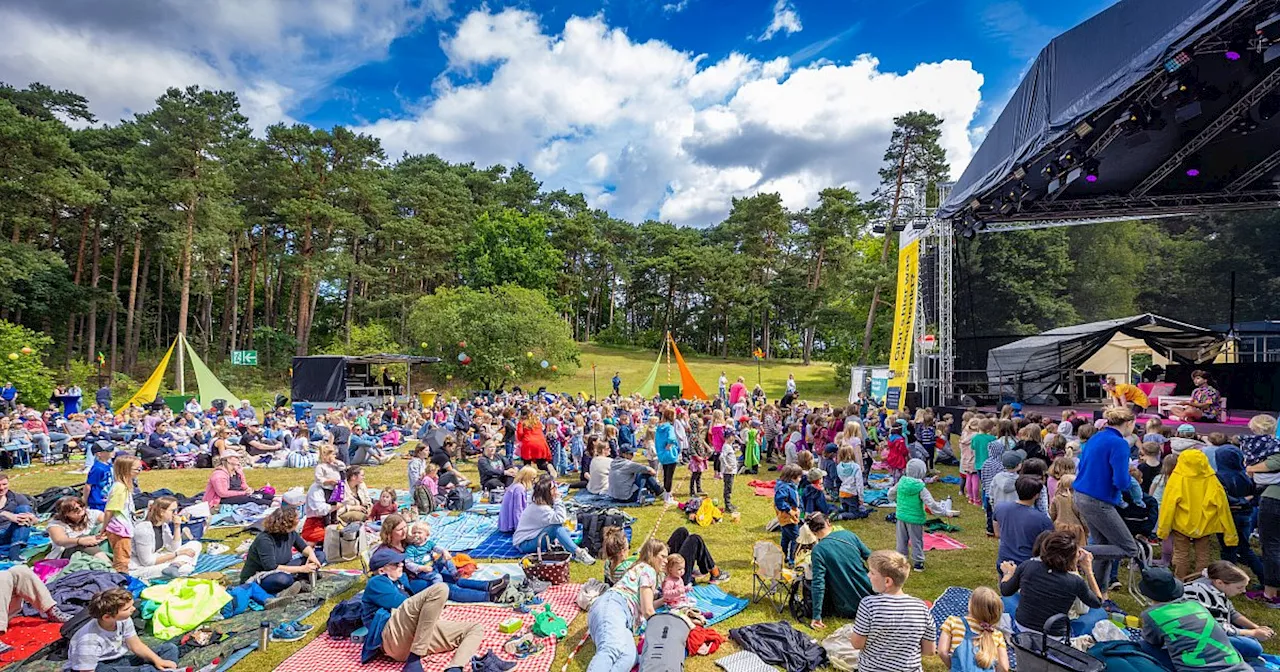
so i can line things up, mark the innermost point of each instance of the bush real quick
(27, 372)
(613, 336)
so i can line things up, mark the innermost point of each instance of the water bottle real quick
(264, 635)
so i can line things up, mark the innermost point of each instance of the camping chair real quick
(770, 578)
(1136, 566)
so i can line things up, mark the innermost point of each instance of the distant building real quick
(1257, 341)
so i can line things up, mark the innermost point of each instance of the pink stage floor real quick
(1236, 423)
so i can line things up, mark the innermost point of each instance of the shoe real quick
(299, 626)
(216, 549)
(490, 662)
(59, 616)
(498, 587)
(1111, 607)
(1115, 585)
(721, 578)
(584, 557)
(919, 567)
(1269, 602)
(285, 633)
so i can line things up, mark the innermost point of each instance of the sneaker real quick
(1269, 602)
(285, 633)
(584, 557)
(299, 626)
(1115, 585)
(919, 567)
(57, 615)
(721, 578)
(490, 662)
(498, 587)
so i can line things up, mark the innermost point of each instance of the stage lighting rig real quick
(1090, 168)
(1051, 170)
(1072, 156)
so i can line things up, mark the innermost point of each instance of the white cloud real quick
(675, 7)
(646, 130)
(121, 56)
(785, 20)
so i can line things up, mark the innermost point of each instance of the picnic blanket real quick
(215, 563)
(461, 531)
(27, 635)
(338, 655)
(721, 604)
(238, 515)
(762, 488)
(941, 541)
(588, 499)
(498, 546)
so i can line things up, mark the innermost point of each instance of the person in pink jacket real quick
(227, 485)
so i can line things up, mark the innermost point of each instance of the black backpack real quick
(800, 600)
(593, 521)
(459, 499)
(344, 619)
(46, 501)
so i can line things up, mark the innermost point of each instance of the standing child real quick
(927, 435)
(1194, 509)
(786, 506)
(892, 629)
(728, 469)
(751, 455)
(119, 511)
(1062, 508)
(697, 454)
(913, 505)
(578, 444)
(1060, 467)
(979, 443)
(717, 434)
(98, 482)
(974, 642)
(895, 455)
(849, 471)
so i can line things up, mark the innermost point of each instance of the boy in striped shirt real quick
(893, 630)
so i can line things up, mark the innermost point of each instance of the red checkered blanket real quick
(343, 655)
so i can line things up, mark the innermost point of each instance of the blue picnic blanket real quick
(498, 546)
(953, 480)
(720, 604)
(461, 531)
(208, 562)
(588, 499)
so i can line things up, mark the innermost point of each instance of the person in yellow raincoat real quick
(1194, 509)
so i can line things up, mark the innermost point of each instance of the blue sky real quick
(652, 108)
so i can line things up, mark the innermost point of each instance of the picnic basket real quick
(551, 566)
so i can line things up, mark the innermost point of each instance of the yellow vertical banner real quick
(904, 324)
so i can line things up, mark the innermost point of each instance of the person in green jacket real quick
(839, 563)
(913, 504)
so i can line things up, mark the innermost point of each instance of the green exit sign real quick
(244, 357)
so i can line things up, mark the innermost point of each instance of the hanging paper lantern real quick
(26, 350)
(424, 345)
(462, 344)
(449, 377)
(13, 355)
(529, 354)
(545, 363)
(462, 356)
(466, 361)
(554, 368)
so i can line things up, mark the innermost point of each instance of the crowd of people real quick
(1068, 500)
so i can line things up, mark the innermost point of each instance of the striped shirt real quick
(894, 626)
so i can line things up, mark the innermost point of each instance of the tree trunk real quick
(139, 309)
(71, 319)
(92, 326)
(253, 281)
(184, 297)
(113, 321)
(268, 289)
(304, 289)
(161, 332)
(884, 255)
(351, 290)
(764, 331)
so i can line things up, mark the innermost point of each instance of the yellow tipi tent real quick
(208, 387)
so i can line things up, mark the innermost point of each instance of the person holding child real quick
(407, 626)
(893, 630)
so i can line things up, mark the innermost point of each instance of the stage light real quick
(1192, 167)
(1083, 129)
(1051, 170)
(1021, 171)
(1090, 171)
(1006, 207)
(1072, 156)
(1269, 29)
(1174, 64)
(1019, 193)
(1232, 54)
(1265, 109)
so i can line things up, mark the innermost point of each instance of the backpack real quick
(593, 521)
(301, 460)
(204, 461)
(344, 619)
(46, 501)
(459, 499)
(800, 599)
(664, 643)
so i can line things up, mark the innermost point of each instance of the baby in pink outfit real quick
(675, 595)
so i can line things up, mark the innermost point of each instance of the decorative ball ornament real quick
(26, 350)
(466, 361)
(545, 363)
(462, 356)
(13, 355)
(424, 345)
(462, 344)
(449, 377)
(529, 354)
(554, 368)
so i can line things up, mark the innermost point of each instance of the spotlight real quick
(1072, 156)
(1090, 171)
(1192, 167)
(1019, 192)
(1006, 207)
(1193, 172)
(1269, 29)
(1174, 64)
(1139, 118)
(1265, 109)
(1232, 54)
(1021, 171)
(1083, 128)
(1052, 169)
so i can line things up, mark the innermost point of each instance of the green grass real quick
(730, 543)
(815, 382)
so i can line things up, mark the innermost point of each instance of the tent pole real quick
(178, 378)
(408, 381)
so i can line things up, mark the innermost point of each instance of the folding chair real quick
(1136, 565)
(770, 578)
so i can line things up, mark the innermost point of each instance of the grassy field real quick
(816, 382)
(729, 542)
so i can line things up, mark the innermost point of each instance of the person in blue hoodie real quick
(786, 506)
(405, 627)
(667, 447)
(814, 497)
(1102, 477)
(626, 435)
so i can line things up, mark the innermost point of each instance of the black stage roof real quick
(1152, 107)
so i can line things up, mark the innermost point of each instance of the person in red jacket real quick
(533, 443)
(896, 453)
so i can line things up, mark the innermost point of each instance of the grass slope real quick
(816, 382)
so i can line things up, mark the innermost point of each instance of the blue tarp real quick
(1079, 73)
